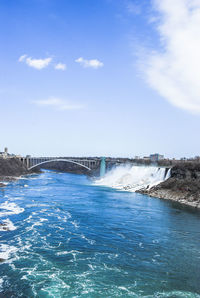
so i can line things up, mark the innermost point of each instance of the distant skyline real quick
(100, 78)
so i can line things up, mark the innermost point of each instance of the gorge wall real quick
(183, 185)
(12, 167)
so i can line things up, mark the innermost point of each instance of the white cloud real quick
(38, 63)
(94, 63)
(174, 71)
(35, 63)
(22, 58)
(60, 66)
(58, 104)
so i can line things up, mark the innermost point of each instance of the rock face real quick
(183, 186)
(11, 167)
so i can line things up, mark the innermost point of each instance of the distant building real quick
(5, 154)
(156, 157)
(146, 158)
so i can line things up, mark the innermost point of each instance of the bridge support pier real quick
(103, 167)
(27, 162)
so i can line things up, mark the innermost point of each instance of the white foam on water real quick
(133, 178)
(68, 215)
(10, 209)
(92, 242)
(128, 292)
(28, 219)
(7, 225)
(50, 278)
(178, 294)
(43, 219)
(18, 198)
(75, 224)
(36, 205)
(37, 223)
(74, 253)
(112, 256)
(92, 267)
(6, 250)
(4, 182)
(107, 268)
(1, 283)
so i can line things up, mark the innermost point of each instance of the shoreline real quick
(183, 186)
(12, 169)
(171, 196)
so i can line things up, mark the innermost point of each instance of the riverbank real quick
(11, 169)
(183, 186)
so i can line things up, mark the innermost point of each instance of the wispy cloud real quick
(93, 63)
(60, 66)
(35, 63)
(58, 104)
(22, 58)
(174, 71)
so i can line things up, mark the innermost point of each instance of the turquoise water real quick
(70, 238)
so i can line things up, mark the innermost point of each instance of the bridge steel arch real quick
(59, 159)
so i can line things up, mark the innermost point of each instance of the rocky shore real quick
(183, 186)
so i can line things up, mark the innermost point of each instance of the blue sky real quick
(100, 78)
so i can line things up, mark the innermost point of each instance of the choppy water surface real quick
(71, 238)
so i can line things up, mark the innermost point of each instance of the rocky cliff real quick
(12, 167)
(183, 186)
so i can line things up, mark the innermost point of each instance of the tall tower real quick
(6, 150)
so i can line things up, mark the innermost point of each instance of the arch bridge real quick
(87, 163)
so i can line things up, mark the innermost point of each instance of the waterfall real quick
(133, 178)
(168, 174)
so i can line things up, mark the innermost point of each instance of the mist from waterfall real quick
(133, 178)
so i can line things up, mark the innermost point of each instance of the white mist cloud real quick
(60, 66)
(58, 104)
(35, 63)
(93, 63)
(174, 71)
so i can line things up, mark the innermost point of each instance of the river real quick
(70, 237)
